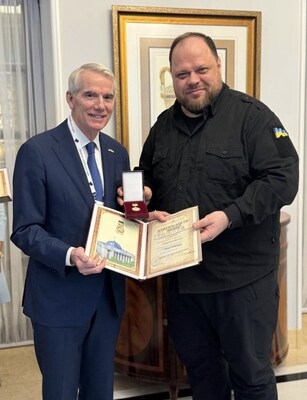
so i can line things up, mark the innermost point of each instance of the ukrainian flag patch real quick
(280, 132)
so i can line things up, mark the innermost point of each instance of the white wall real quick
(76, 32)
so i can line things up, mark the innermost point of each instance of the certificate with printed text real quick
(141, 249)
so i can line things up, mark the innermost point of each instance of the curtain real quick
(304, 251)
(22, 114)
(304, 275)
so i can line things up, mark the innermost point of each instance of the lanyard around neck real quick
(82, 156)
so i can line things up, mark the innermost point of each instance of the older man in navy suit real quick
(75, 305)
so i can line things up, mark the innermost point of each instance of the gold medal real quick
(135, 207)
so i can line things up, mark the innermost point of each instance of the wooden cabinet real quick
(280, 344)
(144, 349)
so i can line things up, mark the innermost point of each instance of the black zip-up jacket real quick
(239, 159)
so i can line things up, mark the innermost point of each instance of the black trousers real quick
(224, 339)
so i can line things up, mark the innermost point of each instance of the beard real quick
(196, 106)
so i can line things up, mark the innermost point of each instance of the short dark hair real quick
(207, 40)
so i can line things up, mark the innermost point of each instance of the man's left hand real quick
(211, 225)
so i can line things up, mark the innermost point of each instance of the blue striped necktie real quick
(91, 162)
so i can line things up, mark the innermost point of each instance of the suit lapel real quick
(108, 154)
(67, 153)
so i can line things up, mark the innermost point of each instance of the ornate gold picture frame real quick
(142, 37)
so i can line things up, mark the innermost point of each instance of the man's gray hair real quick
(74, 77)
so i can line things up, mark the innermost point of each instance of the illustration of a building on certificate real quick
(113, 251)
(141, 249)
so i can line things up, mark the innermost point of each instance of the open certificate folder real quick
(141, 249)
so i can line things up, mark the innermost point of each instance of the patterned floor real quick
(292, 384)
(20, 378)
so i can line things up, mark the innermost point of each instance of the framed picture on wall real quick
(142, 37)
(5, 190)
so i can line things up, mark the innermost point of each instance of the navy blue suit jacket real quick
(52, 211)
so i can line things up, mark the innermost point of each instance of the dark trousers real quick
(224, 339)
(78, 362)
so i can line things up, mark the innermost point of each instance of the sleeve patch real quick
(280, 132)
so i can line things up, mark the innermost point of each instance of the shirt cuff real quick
(67, 259)
(234, 216)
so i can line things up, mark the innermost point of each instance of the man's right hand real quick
(120, 195)
(85, 265)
